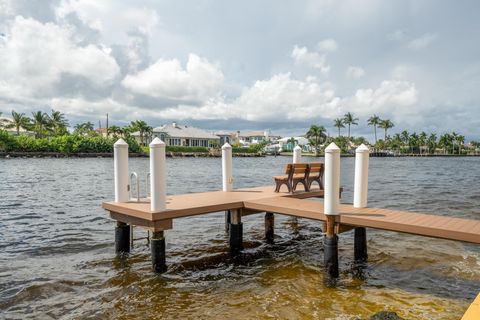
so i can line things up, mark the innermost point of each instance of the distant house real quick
(285, 145)
(255, 137)
(6, 124)
(226, 137)
(102, 131)
(181, 135)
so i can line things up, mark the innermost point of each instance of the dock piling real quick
(227, 221)
(236, 231)
(269, 227)
(297, 154)
(362, 154)
(227, 167)
(122, 238)
(157, 246)
(331, 208)
(158, 184)
(120, 168)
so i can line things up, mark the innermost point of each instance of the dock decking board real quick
(264, 199)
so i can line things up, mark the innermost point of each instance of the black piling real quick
(157, 245)
(122, 238)
(227, 221)
(360, 245)
(330, 244)
(269, 227)
(236, 232)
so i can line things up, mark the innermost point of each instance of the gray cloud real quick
(418, 70)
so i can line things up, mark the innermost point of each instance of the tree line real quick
(404, 142)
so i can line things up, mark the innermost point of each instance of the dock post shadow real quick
(236, 231)
(269, 227)
(157, 246)
(122, 238)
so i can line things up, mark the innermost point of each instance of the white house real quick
(181, 135)
(288, 146)
(6, 124)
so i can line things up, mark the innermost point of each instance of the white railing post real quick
(360, 193)
(158, 177)
(227, 167)
(120, 160)
(297, 154)
(332, 180)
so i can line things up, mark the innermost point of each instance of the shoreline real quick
(7, 155)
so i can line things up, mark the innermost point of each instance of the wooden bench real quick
(294, 174)
(316, 174)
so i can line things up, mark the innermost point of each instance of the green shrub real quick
(63, 144)
(186, 149)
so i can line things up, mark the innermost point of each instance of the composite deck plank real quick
(264, 199)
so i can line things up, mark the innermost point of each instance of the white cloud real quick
(396, 98)
(353, 72)
(100, 15)
(302, 56)
(35, 56)
(327, 45)
(166, 79)
(422, 42)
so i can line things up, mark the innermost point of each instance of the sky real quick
(242, 65)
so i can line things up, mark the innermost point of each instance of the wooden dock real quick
(263, 199)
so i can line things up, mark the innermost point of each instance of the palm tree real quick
(19, 120)
(460, 140)
(422, 140)
(143, 129)
(349, 120)
(85, 128)
(58, 122)
(432, 143)
(316, 135)
(374, 121)
(40, 123)
(338, 123)
(385, 125)
(115, 130)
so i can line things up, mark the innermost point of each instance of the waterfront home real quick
(286, 144)
(227, 137)
(255, 137)
(174, 134)
(7, 125)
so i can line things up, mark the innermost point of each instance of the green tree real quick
(144, 130)
(385, 125)
(374, 121)
(19, 120)
(84, 129)
(338, 123)
(316, 135)
(349, 120)
(116, 131)
(432, 143)
(40, 123)
(58, 123)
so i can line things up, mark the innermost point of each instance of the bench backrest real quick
(288, 169)
(317, 167)
(301, 168)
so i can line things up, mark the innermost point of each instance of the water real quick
(57, 252)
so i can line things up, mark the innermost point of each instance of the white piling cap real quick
(332, 148)
(120, 144)
(362, 148)
(157, 143)
(226, 146)
(297, 148)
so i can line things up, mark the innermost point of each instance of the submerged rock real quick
(386, 315)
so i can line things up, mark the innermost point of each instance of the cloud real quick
(302, 56)
(327, 45)
(353, 72)
(422, 42)
(35, 57)
(167, 79)
(396, 98)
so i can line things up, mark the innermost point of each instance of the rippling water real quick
(57, 252)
